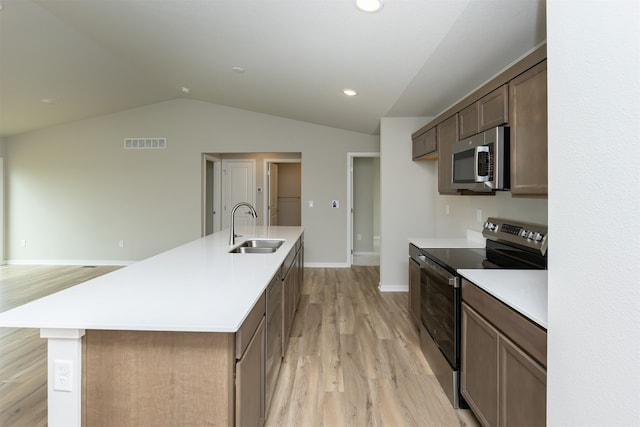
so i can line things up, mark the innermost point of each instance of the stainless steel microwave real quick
(481, 162)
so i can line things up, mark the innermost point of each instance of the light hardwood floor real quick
(23, 354)
(353, 357)
(354, 360)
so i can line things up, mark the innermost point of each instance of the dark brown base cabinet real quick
(501, 382)
(414, 291)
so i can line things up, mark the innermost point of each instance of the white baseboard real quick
(326, 265)
(393, 288)
(91, 262)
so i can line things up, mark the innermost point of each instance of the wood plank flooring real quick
(353, 357)
(23, 354)
(354, 360)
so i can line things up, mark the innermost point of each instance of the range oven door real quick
(440, 308)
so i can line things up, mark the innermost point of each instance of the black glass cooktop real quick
(453, 259)
(495, 255)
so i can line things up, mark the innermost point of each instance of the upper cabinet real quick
(425, 145)
(489, 111)
(517, 97)
(528, 99)
(447, 136)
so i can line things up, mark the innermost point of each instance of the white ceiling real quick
(413, 58)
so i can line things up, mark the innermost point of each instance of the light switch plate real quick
(335, 203)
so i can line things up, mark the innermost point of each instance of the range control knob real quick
(523, 233)
(490, 226)
(539, 237)
(530, 235)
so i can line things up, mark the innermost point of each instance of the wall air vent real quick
(145, 143)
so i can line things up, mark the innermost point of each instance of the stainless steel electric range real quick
(510, 244)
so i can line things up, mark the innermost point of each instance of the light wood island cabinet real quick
(154, 378)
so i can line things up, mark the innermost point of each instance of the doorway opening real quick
(231, 177)
(364, 209)
(284, 192)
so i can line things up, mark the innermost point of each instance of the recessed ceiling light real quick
(238, 69)
(369, 5)
(48, 101)
(185, 90)
(349, 92)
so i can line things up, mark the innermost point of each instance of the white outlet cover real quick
(62, 375)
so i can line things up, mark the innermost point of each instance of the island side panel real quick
(158, 378)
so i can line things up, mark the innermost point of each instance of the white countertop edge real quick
(196, 287)
(523, 290)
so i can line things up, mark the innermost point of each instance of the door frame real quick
(265, 197)
(349, 210)
(216, 193)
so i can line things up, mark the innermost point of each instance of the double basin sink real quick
(257, 246)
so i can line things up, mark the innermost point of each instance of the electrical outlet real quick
(23, 243)
(359, 237)
(479, 215)
(121, 243)
(62, 375)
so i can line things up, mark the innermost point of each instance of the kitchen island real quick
(155, 342)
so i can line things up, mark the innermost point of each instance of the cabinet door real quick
(528, 121)
(468, 121)
(523, 388)
(425, 146)
(250, 382)
(414, 291)
(493, 109)
(479, 366)
(447, 133)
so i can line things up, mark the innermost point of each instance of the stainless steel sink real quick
(258, 246)
(262, 243)
(252, 250)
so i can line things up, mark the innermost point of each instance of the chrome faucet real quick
(232, 231)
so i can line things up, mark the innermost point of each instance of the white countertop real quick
(196, 287)
(473, 240)
(523, 290)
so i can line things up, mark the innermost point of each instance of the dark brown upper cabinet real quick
(425, 145)
(528, 121)
(489, 111)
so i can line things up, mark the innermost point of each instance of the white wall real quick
(594, 150)
(406, 197)
(73, 191)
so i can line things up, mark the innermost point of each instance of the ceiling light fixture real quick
(185, 90)
(238, 69)
(369, 5)
(48, 100)
(349, 92)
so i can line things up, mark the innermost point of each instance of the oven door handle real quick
(435, 269)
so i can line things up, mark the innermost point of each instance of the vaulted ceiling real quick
(64, 60)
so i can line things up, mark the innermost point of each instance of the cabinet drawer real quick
(244, 334)
(529, 336)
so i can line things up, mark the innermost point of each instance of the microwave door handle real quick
(476, 162)
(476, 159)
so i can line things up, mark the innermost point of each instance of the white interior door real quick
(238, 183)
(273, 194)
